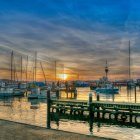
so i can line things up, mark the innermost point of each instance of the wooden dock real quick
(92, 111)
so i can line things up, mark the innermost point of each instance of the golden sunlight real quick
(63, 76)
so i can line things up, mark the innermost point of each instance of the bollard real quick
(90, 114)
(48, 109)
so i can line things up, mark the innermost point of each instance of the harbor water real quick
(20, 109)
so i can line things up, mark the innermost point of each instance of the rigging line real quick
(26, 54)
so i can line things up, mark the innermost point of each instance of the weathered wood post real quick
(48, 109)
(98, 113)
(120, 87)
(57, 93)
(98, 97)
(75, 93)
(90, 114)
(135, 93)
(131, 115)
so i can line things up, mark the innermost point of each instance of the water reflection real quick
(34, 112)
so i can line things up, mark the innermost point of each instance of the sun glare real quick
(63, 76)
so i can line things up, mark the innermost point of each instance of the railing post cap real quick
(90, 94)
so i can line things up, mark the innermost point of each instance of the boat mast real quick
(43, 72)
(55, 71)
(14, 71)
(12, 66)
(129, 61)
(35, 66)
(63, 73)
(21, 70)
(27, 69)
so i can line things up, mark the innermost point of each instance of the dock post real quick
(98, 97)
(90, 114)
(130, 115)
(75, 93)
(120, 87)
(48, 109)
(57, 93)
(98, 113)
(135, 93)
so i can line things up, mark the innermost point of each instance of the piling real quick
(57, 93)
(131, 116)
(48, 109)
(135, 93)
(90, 114)
(98, 97)
(75, 93)
(98, 108)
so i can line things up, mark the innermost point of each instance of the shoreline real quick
(11, 130)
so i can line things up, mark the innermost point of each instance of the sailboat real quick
(19, 88)
(104, 85)
(130, 82)
(8, 90)
(35, 91)
(38, 92)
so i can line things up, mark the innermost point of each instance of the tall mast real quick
(63, 73)
(21, 69)
(129, 61)
(43, 72)
(55, 71)
(78, 76)
(27, 69)
(35, 66)
(12, 65)
(14, 71)
(106, 69)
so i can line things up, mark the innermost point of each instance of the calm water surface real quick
(34, 112)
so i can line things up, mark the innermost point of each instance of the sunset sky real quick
(79, 34)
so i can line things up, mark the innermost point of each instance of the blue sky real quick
(82, 34)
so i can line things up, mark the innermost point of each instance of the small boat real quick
(34, 93)
(6, 92)
(130, 84)
(104, 85)
(44, 96)
(18, 92)
(40, 94)
(108, 88)
(93, 85)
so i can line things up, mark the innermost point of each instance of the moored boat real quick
(109, 89)
(6, 92)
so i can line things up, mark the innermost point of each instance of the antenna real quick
(106, 69)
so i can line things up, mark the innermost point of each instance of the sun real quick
(63, 76)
